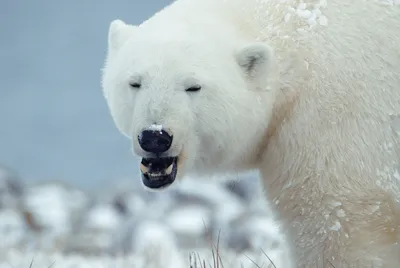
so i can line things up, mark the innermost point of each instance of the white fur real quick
(315, 112)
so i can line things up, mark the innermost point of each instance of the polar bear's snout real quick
(155, 141)
(158, 170)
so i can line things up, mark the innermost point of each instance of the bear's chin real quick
(158, 173)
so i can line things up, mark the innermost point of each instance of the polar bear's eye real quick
(135, 85)
(193, 88)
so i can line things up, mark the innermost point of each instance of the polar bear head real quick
(190, 101)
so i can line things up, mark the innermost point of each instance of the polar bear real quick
(305, 91)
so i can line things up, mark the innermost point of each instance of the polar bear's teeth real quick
(144, 169)
(155, 175)
(169, 169)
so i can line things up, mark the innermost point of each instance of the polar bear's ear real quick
(118, 33)
(254, 59)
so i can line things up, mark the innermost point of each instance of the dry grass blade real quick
(258, 266)
(331, 264)
(191, 261)
(219, 260)
(30, 266)
(216, 257)
(213, 256)
(265, 254)
(199, 258)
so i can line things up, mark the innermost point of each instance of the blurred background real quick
(54, 123)
(68, 179)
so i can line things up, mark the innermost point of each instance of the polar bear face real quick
(188, 106)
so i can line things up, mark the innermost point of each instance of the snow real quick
(396, 175)
(11, 228)
(189, 220)
(156, 127)
(123, 226)
(193, 259)
(323, 20)
(340, 213)
(389, 2)
(103, 217)
(336, 227)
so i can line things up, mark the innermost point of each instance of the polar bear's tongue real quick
(158, 172)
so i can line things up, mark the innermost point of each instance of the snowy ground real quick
(195, 259)
(129, 227)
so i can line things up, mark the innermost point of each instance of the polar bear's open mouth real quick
(158, 172)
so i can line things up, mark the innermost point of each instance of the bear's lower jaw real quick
(158, 173)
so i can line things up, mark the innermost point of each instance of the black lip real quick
(159, 165)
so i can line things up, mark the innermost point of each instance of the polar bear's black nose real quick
(155, 141)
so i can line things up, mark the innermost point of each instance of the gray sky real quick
(54, 123)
